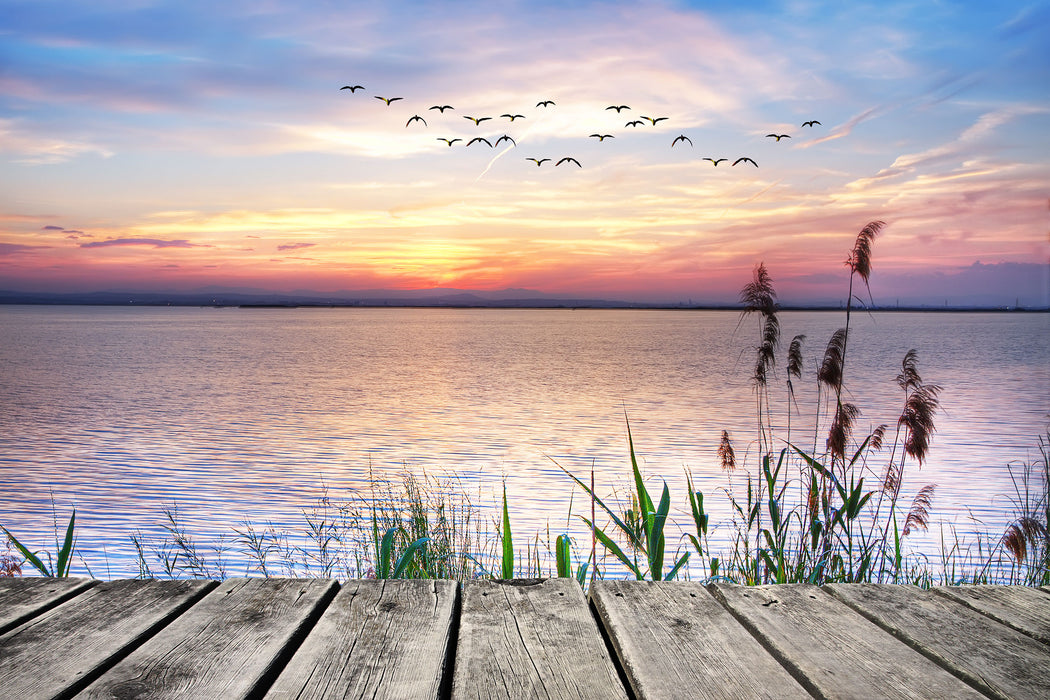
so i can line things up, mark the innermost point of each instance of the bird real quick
(388, 100)
(810, 123)
(441, 108)
(636, 122)
(506, 138)
(617, 107)
(545, 103)
(681, 137)
(449, 141)
(601, 137)
(512, 117)
(477, 120)
(416, 118)
(352, 88)
(568, 160)
(538, 161)
(716, 161)
(657, 119)
(745, 160)
(777, 136)
(478, 138)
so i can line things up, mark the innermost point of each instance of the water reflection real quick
(246, 414)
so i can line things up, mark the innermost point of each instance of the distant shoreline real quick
(551, 305)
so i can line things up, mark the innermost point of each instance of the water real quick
(248, 414)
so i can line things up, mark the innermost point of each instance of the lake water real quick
(247, 414)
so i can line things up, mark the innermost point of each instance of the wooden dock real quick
(301, 638)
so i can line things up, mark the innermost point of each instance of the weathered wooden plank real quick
(377, 639)
(531, 639)
(24, 598)
(998, 660)
(230, 644)
(673, 639)
(833, 650)
(1024, 608)
(66, 647)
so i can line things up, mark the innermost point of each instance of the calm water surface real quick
(242, 414)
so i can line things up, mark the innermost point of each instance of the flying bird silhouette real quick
(777, 136)
(601, 137)
(388, 100)
(636, 122)
(441, 108)
(538, 161)
(681, 137)
(568, 160)
(352, 88)
(810, 123)
(617, 107)
(449, 141)
(477, 120)
(416, 118)
(512, 117)
(716, 161)
(478, 138)
(545, 103)
(744, 160)
(506, 138)
(657, 119)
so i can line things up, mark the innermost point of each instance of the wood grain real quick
(673, 639)
(1025, 609)
(25, 598)
(235, 640)
(377, 639)
(531, 639)
(998, 660)
(66, 647)
(833, 650)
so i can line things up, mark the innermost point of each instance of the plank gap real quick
(448, 670)
(793, 670)
(969, 679)
(618, 663)
(120, 654)
(269, 677)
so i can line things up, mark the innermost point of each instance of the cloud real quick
(153, 242)
(16, 248)
(52, 228)
(295, 246)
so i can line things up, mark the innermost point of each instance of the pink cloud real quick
(154, 242)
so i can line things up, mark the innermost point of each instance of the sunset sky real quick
(175, 146)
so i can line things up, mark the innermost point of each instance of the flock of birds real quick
(633, 123)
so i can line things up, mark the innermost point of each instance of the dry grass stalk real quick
(1026, 532)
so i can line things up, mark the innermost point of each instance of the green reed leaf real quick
(507, 568)
(31, 557)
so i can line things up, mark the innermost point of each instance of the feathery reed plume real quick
(860, 257)
(725, 453)
(891, 480)
(877, 436)
(917, 418)
(909, 377)
(830, 372)
(919, 513)
(842, 429)
(1021, 534)
(759, 296)
(794, 367)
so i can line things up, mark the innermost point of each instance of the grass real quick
(838, 509)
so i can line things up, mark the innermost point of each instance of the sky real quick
(175, 146)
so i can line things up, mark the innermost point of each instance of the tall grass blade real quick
(507, 560)
(65, 553)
